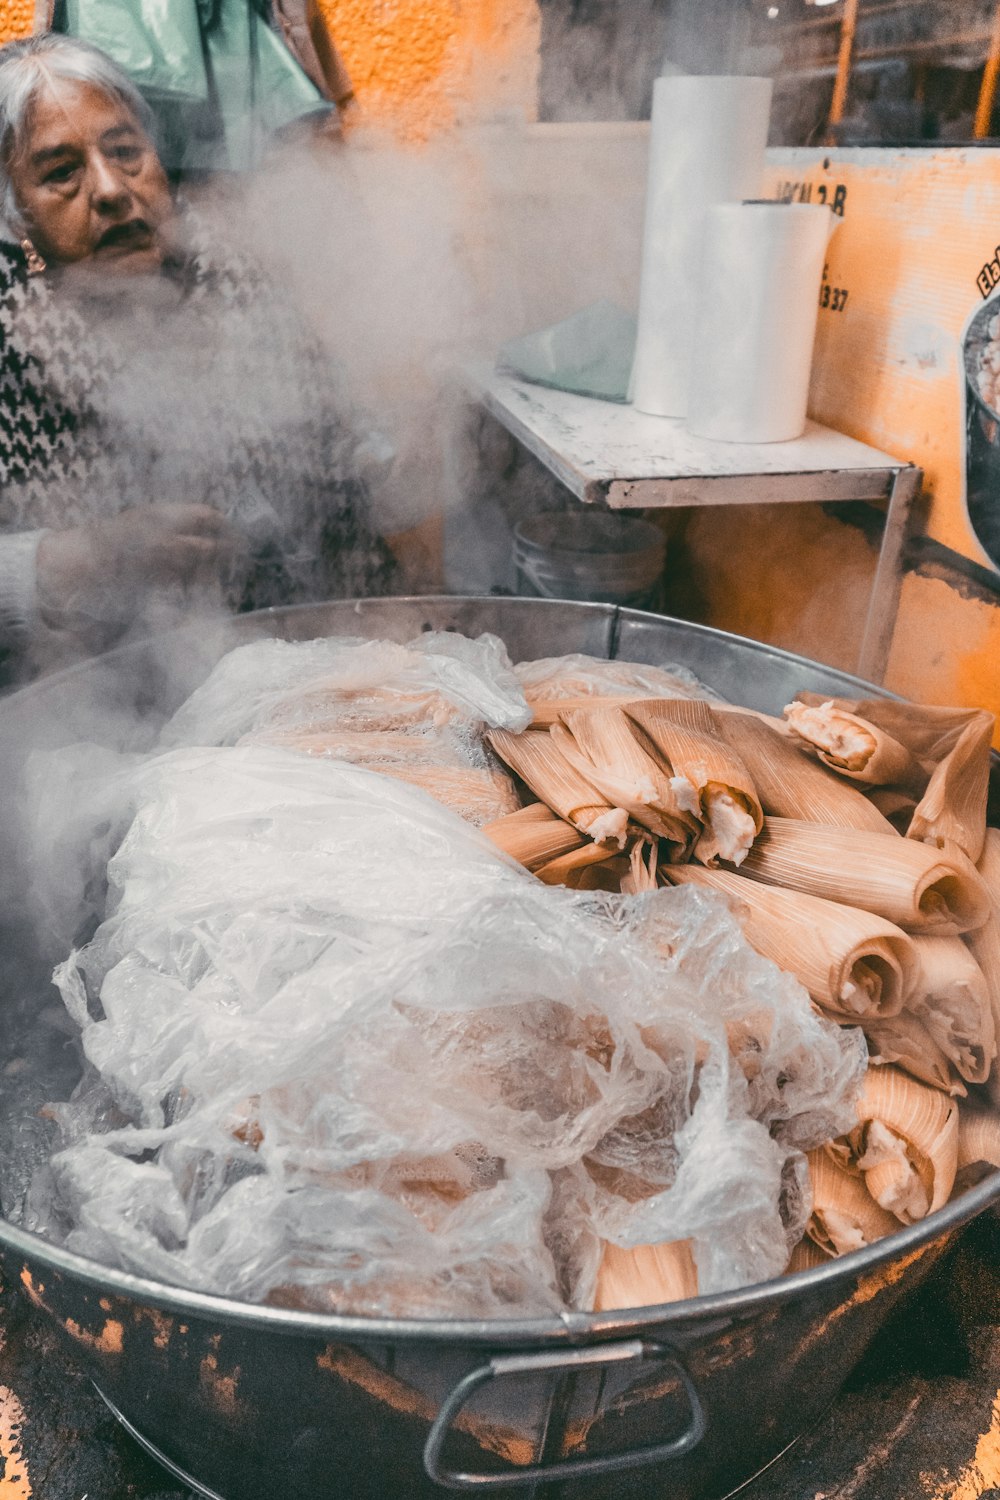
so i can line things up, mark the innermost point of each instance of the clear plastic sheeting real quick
(367, 683)
(579, 677)
(413, 712)
(342, 1054)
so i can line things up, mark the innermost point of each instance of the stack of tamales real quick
(851, 838)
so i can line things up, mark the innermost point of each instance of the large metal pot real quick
(686, 1400)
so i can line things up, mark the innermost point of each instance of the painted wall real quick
(420, 66)
(918, 229)
(16, 18)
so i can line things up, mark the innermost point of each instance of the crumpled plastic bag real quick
(271, 681)
(580, 676)
(415, 712)
(343, 1054)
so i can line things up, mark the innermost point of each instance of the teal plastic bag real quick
(260, 88)
(220, 81)
(158, 43)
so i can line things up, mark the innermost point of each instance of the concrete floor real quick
(919, 1420)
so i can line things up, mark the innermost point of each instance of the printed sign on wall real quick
(908, 346)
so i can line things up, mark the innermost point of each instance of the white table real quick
(612, 455)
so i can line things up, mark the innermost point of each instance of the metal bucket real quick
(685, 1401)
(589, 554)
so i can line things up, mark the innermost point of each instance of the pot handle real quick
(503, 1366)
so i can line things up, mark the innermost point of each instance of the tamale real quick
(687, 742)
(854, 964)
(904, 1040)
(534, 836)
(789, 782)
(609, 874)
(548, 711)
(645, 1276)
(984, 942)
(854, 747)
(928, 731)
(953, 808)
(600, 744)
(542, 766)
(920, 889)
(805, 1256)
(978, 1137)
(566, 869)
(951, 997)
(906, 1143)
(479, 796)
(845, 1216)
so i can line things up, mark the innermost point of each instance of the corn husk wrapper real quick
(610, 875)
(534, 836)
(806, 1256)
(905, 1041)
(952, 999)
(898, 807)
(906, 1143)
(599, 743)
(645, 1276)
(927, 731)
(978, 1138)
(478, 796)
(789, 782)
(920, 889)
(984, 942)
(569, 869)
(845, 1216)
(642, 876)
(687, 741)
(548, 711)
(854, 747)
(541, 766)
(854, 964)
(953, 808)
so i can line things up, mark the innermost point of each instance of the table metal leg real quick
(883, 606)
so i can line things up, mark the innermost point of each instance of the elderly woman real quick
(164, 421)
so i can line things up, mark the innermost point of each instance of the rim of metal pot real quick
(568, 1327)
(379, 603)
(38, 1254)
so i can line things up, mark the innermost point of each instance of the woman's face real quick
(89, 183)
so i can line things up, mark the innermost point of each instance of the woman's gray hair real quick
(27, 69)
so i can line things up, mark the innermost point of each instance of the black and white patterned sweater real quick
(199, 386)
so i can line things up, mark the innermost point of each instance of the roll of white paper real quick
(756, 304)
(707, 143)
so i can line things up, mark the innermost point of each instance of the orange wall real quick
(423, 65)
(418, 66)
(16, 18)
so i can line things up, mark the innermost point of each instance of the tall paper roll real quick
(707, 144)
(756, 304)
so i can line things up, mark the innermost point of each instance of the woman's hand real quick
(103, 572)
